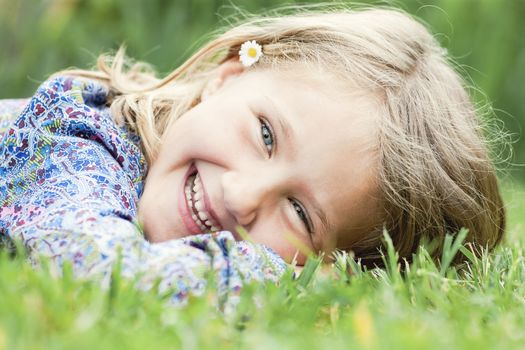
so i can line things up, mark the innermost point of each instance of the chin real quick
(148, 233)
(153, 230)
(156, 236)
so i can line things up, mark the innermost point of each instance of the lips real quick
(194, 205)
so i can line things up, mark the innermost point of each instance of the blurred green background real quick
(37, 38)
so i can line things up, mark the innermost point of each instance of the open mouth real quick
(195, 198)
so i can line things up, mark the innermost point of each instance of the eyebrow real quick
(289, 135)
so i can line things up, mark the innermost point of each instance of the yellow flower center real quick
(252, 52)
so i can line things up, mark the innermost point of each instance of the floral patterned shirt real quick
(70, 181)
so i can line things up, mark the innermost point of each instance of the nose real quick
(245, 194)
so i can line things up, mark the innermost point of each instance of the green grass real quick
(341, 307)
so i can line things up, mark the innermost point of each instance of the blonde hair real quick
(435, 173)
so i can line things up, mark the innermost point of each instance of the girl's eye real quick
(267, 136)
(268, 140)
(301, 213)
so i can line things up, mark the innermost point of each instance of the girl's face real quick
(284, 155)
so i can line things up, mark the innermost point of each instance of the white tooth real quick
(199, 205)
(197, 186)
(188, 196)
(190, 203)
(214, 228)
(198, 195)
(202, 216)
(203, 228)
(208, 222)
(194, 217)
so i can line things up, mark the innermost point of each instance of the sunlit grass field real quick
(332, 307)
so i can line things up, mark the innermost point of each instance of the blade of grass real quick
(450, 249)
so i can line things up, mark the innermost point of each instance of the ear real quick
(225, 71)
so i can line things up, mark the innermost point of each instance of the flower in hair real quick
(250, 53)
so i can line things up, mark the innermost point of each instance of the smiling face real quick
(280, 154)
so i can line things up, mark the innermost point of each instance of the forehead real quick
(334, 126)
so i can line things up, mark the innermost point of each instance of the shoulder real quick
(9, 111)
(65, 88)
(67, 106)
(66, 122)
(62, 103)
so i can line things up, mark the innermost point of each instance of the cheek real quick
(211, 139)
(288, 252)
(279, 239)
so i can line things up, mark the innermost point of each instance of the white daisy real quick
(250, 53)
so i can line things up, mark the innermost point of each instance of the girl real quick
(311, 132)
